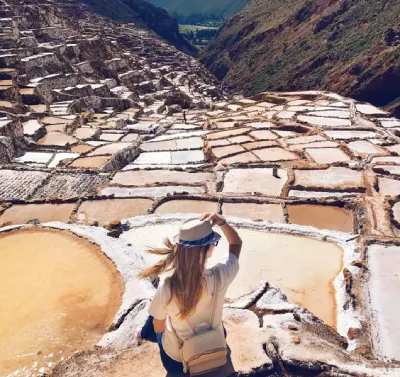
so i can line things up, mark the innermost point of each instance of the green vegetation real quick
(341, 46)
(199, 12)
(188, 28)
(199, 35)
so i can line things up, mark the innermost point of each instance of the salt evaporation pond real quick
(304, 268)
(58, 293)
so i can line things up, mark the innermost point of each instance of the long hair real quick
(186, 281)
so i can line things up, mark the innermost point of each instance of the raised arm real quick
(234, 240)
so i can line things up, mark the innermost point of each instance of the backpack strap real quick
(215, 294)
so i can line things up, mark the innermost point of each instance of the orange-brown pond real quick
(50, 305)
(89, 162)
(22, 213)
(322, 217)
(108, 210)
(82, 148)
(304, 268)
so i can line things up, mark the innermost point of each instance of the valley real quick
(200, 35)
(199, 12)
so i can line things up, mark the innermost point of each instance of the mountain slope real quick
(145, 14)
(207, 8)
(348, 46)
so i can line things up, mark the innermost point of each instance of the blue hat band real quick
(201, 242)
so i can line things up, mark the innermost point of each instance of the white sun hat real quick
(195, 232)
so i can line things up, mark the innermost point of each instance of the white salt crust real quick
(346, 319)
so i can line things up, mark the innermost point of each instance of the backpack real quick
(205, 351)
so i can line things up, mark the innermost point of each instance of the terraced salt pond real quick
(50, 305)
(89, 162)
(322, 217)
(22, 213)
(304, 268)
(106, 211)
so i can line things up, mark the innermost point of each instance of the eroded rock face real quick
(11, 128)
(7, 149)
(95, 103)
(178, 98)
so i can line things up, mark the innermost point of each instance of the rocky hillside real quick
(205, 9)
(347, 46)
(144, 14)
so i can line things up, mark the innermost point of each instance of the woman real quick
(185, 296)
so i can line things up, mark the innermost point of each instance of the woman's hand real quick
(232, 236)
(214, 218)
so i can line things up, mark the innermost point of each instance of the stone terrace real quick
(313, 159)
(101, 122)
(73, 86)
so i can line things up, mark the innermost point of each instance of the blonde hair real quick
(186, 280)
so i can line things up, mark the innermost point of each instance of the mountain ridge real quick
(347, 46)
(145, 14)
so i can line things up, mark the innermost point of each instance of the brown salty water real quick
(50, 304)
